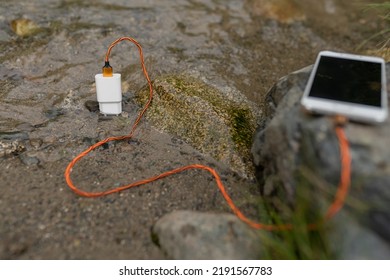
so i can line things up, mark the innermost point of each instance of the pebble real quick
(92, 105)
(36, 143)
(54, 113)
(24, 27)
(125, 115)
(29, 160)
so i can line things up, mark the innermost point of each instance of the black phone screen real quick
(348, 80)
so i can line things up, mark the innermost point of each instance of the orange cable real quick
(333, 209)
(345, 177)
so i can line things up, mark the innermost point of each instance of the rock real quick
(14, 135)
(54, 113)
(284, 11)
(292, 141)
(218, 124)
(351, 241)
(25, 127)
(92, 105)
(8, 148)
(36, 143)
(186, 235)
(29, 160)
(24, 27)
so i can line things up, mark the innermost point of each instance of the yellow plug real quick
(107, 70)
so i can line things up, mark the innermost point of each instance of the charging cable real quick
(107, 72)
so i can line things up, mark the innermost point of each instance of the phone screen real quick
(347, 80)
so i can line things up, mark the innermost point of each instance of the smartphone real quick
(350, 85)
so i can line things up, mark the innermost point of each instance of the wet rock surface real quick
(293, 145)
(46, 106)
(187, 235)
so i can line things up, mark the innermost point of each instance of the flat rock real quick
(193, 235)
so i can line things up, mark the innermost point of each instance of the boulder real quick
(187, 235)
(295, 152)
(220, 124)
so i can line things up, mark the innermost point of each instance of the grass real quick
(383, 10)
(381, 37)
(313, 195)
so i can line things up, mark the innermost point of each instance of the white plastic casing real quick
(109, 94)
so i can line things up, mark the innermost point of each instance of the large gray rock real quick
(293, 148)
(185, 235)
(351, 241)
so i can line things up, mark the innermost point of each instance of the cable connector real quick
(107, 69)
(109, 93)
(340, 120)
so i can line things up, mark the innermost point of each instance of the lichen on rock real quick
(216, 123)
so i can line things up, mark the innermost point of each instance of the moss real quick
(242, 128)
(219, 124)
(239, 117)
